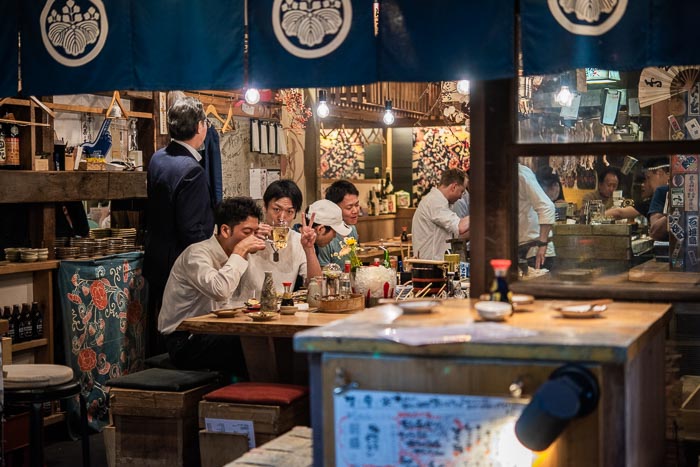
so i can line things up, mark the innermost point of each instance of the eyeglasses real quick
(206, 121)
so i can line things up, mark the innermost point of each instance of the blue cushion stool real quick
(35, 384)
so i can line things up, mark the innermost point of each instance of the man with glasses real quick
(179, 208)
(434, 222)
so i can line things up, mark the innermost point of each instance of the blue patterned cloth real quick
(103, 302)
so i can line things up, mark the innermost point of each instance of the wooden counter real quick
(624, 349)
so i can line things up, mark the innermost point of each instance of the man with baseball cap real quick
(327, 218)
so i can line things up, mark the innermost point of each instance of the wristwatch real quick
(541, 243)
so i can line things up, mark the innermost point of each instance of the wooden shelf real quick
(29, 345)
(22, 122)
(27, 186)
(13, 268)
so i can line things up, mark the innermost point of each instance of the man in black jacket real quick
(180, 209)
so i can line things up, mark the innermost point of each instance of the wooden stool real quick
(272, 408)
(39, 383)
(155, 416)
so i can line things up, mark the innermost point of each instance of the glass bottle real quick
(15, 322)
(500, 292)
(268, 297)
(287, 299)
(314, 292)
(371, 207)
(7, 315)
(345, 281)
(25, 326)
(37, 321)
(404, 233)
(388, 187)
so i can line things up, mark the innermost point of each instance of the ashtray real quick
(417, 307)
(582, 311)
(494, 311)
(263, 316)
(227, 312)
(288, 310)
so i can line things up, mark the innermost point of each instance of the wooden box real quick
(156, 428)
(269, 421)
(85, 165)
(690, 416)
(354, 303)
(41, 165)
(217, 449)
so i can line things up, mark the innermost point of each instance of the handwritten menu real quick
(378, 428)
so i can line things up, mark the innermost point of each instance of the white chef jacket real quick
(433, 224)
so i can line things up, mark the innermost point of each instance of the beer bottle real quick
(37, 321)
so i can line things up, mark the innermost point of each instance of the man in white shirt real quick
(536, 215)
(282, 200)
(434, 222)
(203, 277)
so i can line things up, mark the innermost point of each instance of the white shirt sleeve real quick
(538, 199)
(217, 284)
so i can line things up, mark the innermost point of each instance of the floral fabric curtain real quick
(103, 305)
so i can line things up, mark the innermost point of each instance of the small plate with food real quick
(263, 316)
(227, 312)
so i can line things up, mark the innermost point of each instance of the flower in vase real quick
(349, 248)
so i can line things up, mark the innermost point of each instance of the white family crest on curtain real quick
(587, 17)
(311, 29)
(73, 34)
(560, 35)
(311, 43)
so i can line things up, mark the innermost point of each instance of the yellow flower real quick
(349, 241)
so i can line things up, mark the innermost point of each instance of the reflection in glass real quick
(593, 105)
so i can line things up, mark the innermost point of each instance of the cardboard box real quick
(40, 164)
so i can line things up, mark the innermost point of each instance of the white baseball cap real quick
(328, 213)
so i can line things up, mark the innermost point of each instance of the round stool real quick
(38, 383)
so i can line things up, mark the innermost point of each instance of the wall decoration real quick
(342, 154)
(293, 101)
(436, 149)
(454, 106)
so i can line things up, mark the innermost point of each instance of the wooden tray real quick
(354, 303)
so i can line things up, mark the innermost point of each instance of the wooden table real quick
(267, 345)
(623, 349)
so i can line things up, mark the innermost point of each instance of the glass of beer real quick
(280, 232)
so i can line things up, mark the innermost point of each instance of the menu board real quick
(683, 213)
(380, 428)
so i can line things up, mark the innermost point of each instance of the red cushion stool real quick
(273, 409)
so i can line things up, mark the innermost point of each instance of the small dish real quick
(288, 310)
(263, 316)
(226, 312)
(418, 306)
(582, 311)
(252, 308)
(494, 311)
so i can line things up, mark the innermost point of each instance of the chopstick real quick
(440, 291)
(424, 291)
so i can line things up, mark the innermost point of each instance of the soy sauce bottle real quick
(500, 292)
(37, 321)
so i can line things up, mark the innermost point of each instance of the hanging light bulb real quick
(463, 86)
(388, 113)
(322, 109)
(564, 97)
(252, 96)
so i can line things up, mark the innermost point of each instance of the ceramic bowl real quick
(494, 311)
